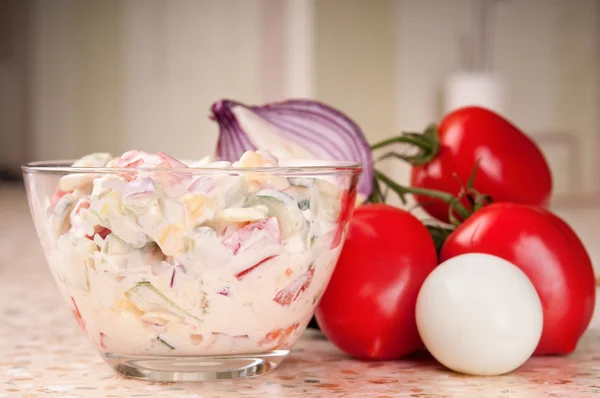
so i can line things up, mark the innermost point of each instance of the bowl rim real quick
(64, 167)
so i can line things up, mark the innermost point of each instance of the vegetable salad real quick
(164, 257)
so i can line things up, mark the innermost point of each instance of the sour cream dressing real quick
(160, 262)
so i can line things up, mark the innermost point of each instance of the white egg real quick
(479, 314)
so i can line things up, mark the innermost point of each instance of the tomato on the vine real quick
(510, 166)
(547, 250)
(368, 308)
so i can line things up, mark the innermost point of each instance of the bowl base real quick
(195, 368)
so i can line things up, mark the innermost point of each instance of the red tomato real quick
(368, 308)
(511, 166)
(550, 254)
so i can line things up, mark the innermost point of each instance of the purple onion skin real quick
(324, 131)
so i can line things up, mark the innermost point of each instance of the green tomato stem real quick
(445, 197)
(426, 143)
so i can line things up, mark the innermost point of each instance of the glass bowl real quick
(191, 274)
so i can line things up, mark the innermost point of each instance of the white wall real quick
(13, 84)
(111, 75)
(354, 61)
(180, 57)
(76, 86)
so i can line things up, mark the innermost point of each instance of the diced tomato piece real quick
(234, 241)
(99, 230)
(272, 336)
(245, 272)
(279, 335)
(294, 289)
(170, 162)
(135, 159)
(134, 164)
(102, 231)
(77, 315)
(129, 160)
(129, 155)
(130, 176)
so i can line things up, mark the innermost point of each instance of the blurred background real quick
(80, 76)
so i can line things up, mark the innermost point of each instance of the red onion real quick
(202, 184)
(311, 127)
(175, 268)
(140, 186)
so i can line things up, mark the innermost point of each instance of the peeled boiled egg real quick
(479, 314)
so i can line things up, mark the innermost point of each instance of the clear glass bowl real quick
(191, 274)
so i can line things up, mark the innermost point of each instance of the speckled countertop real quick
(44, 354)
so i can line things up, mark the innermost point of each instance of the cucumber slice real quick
(301, 194)
(304, 204)
(301, 181)
(301, 188)
(328, 189)
(80, 254)
(147, 298)
(284, 208)
(59, 220)
(234, 189)
(329, 197)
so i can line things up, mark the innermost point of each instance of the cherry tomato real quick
(511, 167)
(547, 250)
(368, 308)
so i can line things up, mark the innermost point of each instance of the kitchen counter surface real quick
(44, 354)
